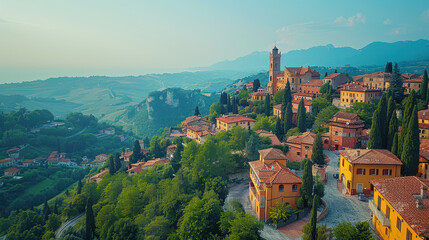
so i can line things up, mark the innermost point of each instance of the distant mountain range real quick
(376, 53)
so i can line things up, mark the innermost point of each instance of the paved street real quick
(341, 208)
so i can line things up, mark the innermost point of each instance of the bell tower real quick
(275, 56)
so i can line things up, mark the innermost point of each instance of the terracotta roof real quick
(272, 154)
(414, 80)
(6, 160)
(300, 71)
(84, 162)
(99, 175)
(306, 102)
(277, 106)
(12, 149)
(259, 93)
(27, 161)
(128, 154)
(135, 169)
(357, 88)
(378, 74)
(194, 118)
(274, 139)
(305, 138)
(314, 83)
(155, 162)
(274, 173)
(333, 75)
(409, 75)
(205, 133)
(423, 114)
(401, 193)
(345, 115)
(12, 170)
(198, 128)
(235, 118)
(103, 155)
(370, 156)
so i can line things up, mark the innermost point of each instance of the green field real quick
(38, 187)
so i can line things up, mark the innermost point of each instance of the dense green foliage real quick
(307, 183)
(396, 88)
(317, 151)
(411, 147)
(300, 116)
(280, 212)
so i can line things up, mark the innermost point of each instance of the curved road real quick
(69, 223)
(78, 133)
(341, 208)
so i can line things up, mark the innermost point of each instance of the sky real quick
(51, 38)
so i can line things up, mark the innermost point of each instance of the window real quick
(387, 172)
(409, 235)
(262, 201)
(343, 162)
(294, 188)
(281, 188)
(373, 171)
(350, 168)
(379, 203)
(307, 147)
(398, 223)
(360, 171)
(387, 212)
(298, 153)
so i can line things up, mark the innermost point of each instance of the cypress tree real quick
(118, 164)
(287, 97)
(267, 105)
(375, 135)
(388, 68)
(393, 129)
(384, 121)
(394, 148)
(391, 107)
(317, 152)
(279, 129)
(235, 107)
(111, 161)
(410, 102)
(300, 116)
(146, 142)
(221, 109)
(326, 74)
(228, 104)
(256, 85)
(46, 211)
(89, 221)
(197, 111)
(313, 219)
(336, 71)
(424, 86)
(177, 157)
(307, 182)
(287, 118)
(410, 150)
(396, 88)
(79, 187)
(55, 208)
(137, 154)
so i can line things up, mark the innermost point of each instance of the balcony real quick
(379, 214)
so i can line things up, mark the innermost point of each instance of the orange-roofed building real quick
(227, 122)
(307, 96)
(195, 120)
(272, 182)
(313, 86)
(274, 139)
(336, 79)
(359, 166)
(7, 162)
(141, 166)
(13, 152)
(97, 177)
(202, 136)
(10, 172)
(378, 80)
(28, 162)
(277, 110)
(424, 159)
(301, 146)
(423, 117)
(258, 96)
(171, 149)
(307, 105)
(345, 129)
(400, 209)
(351, 93)
(412, 84)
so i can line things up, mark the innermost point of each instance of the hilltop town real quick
(308, 154)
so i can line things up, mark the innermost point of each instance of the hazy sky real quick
(43, 38)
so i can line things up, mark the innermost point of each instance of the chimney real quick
(358, 152)
(419, 203)
(423, 192)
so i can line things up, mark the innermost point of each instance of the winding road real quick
(66, 225)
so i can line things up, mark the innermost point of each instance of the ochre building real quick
(359, 166)
(345, 129)
(227, 122)
(272, 182)
(351, 93)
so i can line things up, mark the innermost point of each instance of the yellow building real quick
(412, 84)
(277, 110)
(423, 116)
(400, 209)
(359, 166)
(227, 122)
(377, 80)
(424, 159)
(258, 96)
(272, 182)
(353, 92)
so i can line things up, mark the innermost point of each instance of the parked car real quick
(362, 197)
(335, 175)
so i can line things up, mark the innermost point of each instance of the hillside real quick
(375, 53)
(100, 95)
(161, 109)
